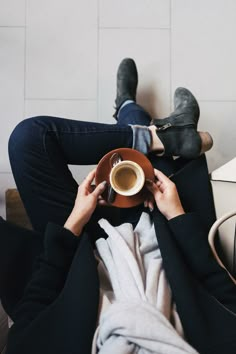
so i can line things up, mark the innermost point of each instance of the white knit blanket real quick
(140, 314)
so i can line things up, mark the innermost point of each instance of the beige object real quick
(223, 182)
(15, 211)
(211, 238)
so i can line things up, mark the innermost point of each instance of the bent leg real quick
(41, 148)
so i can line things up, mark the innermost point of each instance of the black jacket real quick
(58, 312)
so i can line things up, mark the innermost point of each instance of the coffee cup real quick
(127, 178)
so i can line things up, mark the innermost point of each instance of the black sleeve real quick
(192, 239)
(51, 271)
(54, 314)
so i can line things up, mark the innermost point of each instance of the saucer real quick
(103, 172)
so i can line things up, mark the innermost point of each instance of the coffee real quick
(125, 178)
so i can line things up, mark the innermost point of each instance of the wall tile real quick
(6, 182)
(150, 50)
(80, 172)
(12, 12)
(219, 119)
(135, 13)
(73, 109)
(11, 86)
(61, 53)
(203, 50)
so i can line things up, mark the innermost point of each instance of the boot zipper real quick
(169, 125)
(164, 127)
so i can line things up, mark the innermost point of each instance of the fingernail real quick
(104, 183)
(151, 209)
(149, 181)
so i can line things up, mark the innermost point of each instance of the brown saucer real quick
(103, 172)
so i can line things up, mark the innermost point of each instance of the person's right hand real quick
(85, 204)
(166, 195)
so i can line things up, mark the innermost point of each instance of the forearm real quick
(52, 270)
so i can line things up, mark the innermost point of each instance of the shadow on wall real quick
(148, 98)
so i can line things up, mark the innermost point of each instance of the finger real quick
(151, 186)
(162, 177)
(90, 177)
(102, 202)
(149, 182)
(99, 189)
(150, 205)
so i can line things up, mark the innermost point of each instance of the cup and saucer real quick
(126, 176)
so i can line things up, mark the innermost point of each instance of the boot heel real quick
(207, 142)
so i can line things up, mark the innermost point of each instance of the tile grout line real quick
(12, 26)
(94, 99)
(202, 100)
(134, 28)
(25, 62)
(98, 43)
(59, 99)
(170, 24)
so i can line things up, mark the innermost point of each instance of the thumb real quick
(99, 189)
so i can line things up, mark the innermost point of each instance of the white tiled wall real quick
(59, 57)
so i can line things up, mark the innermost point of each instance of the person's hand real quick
(166, 196)
(85, 204)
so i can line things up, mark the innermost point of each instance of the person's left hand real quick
(85, 204)
(166, 196)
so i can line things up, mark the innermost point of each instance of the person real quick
(54, 300)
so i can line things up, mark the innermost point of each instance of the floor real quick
(60, 58)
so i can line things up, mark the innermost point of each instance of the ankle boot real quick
(127, 82)
(184, 141)
(186, 111)
(178, 132)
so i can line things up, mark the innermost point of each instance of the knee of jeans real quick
(24, 136)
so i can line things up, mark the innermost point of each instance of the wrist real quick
(75, 225)
(74, 228)
(174, 213)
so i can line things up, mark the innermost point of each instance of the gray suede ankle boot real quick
(126, 84)
(186, 111)
(178, 132)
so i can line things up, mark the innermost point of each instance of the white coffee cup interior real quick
(127, 178)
